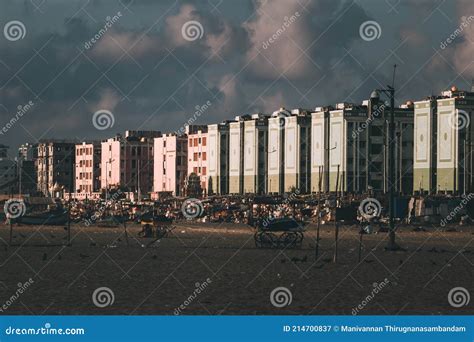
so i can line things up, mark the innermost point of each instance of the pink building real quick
(87, 169)
(127, 162)
(197, 153)
(170, 169)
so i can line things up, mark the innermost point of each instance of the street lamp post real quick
(110, 161)
(390, 92)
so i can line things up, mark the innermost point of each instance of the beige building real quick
(454, 142)
(319, 149)
(425, 146)
(255, 154)
(297, 146)
(236, 155)
(55, 167)
(170, 164)
(347, 157)
(87, 167)
(127, 162)
(218, 158)
(197, 153)
(276, 151)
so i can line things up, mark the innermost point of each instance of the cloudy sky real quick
(157, 60)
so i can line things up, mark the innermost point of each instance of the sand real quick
(235, 276)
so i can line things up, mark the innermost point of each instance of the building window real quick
(204, 141)
(204, 156)
(190, 142)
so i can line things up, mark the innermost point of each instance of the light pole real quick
(106, 179)
(390, 92)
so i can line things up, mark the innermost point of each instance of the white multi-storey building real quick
(236, 155)
(297, 151)
(170, 164)
(455, 157)
(255, 154)
(319, 149)
(276, 150)
(218, 158)
(87, 167)
(197, 153)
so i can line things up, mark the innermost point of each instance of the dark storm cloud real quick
(150, 77)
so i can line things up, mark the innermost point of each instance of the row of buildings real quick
(341, 148)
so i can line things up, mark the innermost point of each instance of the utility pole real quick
(390, 91)
(392, 245)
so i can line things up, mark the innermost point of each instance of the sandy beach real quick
(162, 278)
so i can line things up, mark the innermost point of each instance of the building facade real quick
(87, 169)
(347, 151)
(378, 140)
(218, 158)
(171, 167)
(55, 167)
(197, 154)
(297, 151)
(8, 172)
(276, 151)
(255, 154)
(27, 177)
(454, 165)
(319, 149)
(236, 155)
(425, 146)
(127, 163)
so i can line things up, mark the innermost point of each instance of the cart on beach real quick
(279, 233)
